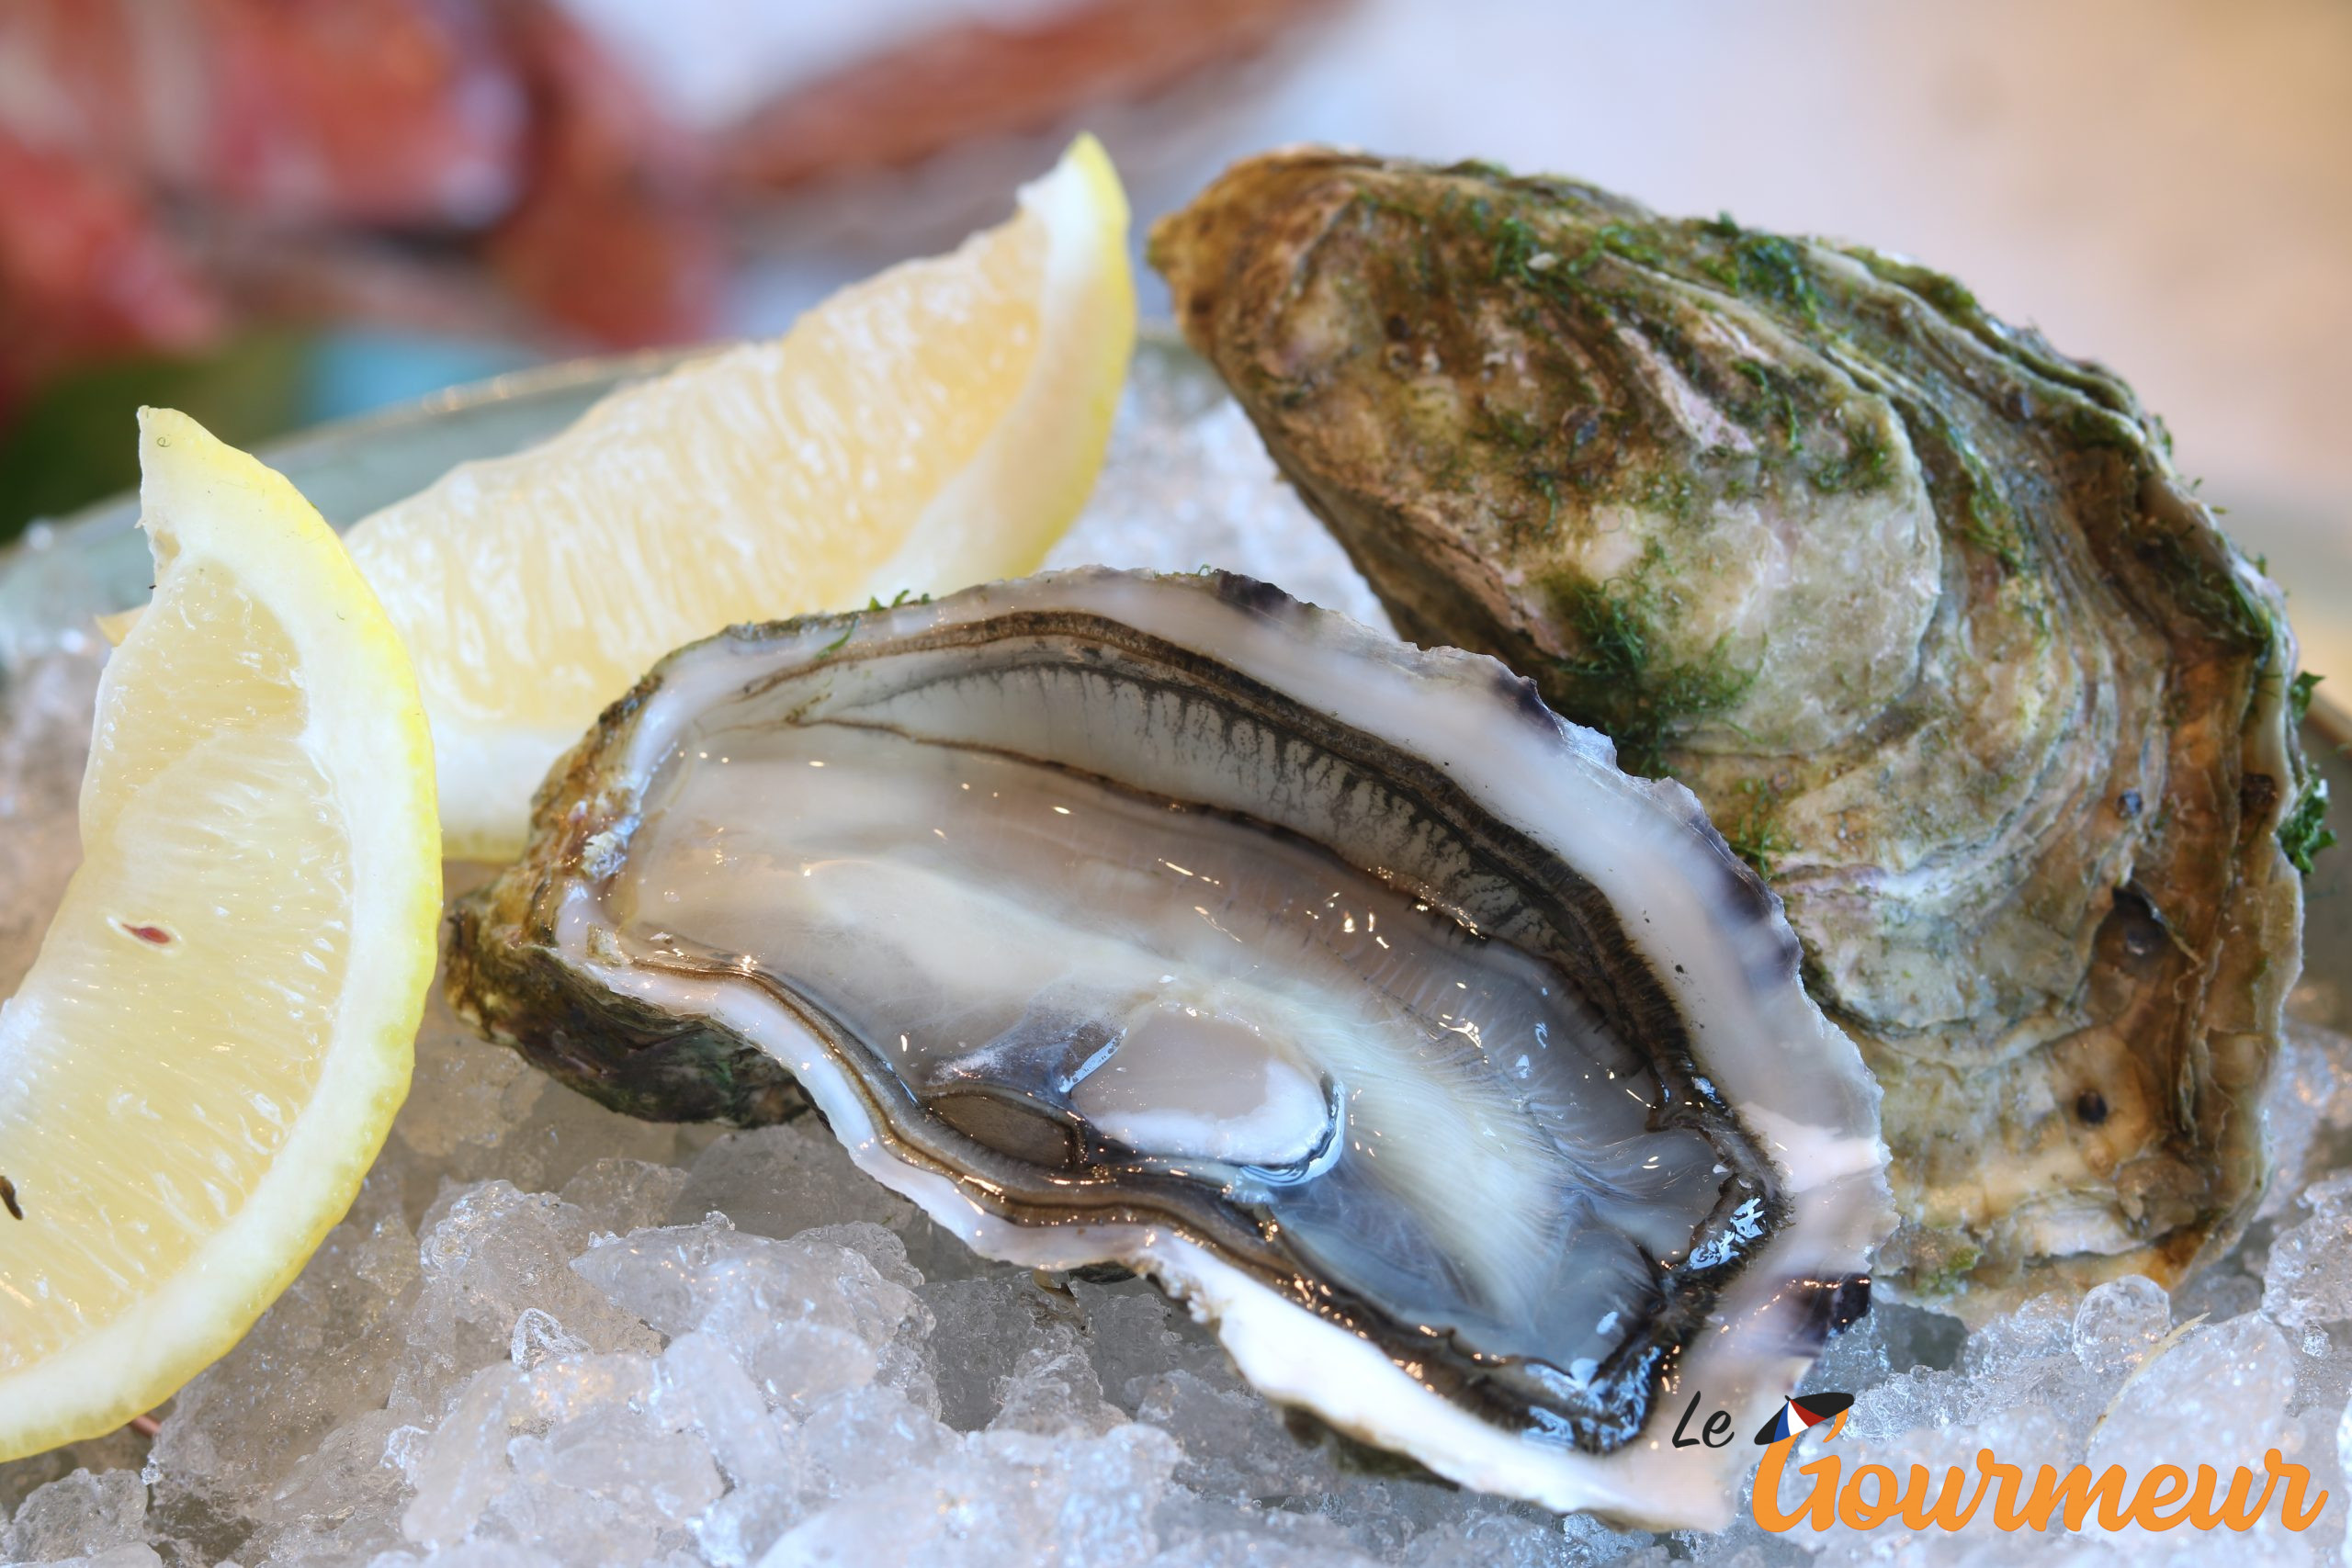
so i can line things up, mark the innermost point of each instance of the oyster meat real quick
(1916, 605)
(1463, 1082)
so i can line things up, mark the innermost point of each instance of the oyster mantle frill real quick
(1463, 1082)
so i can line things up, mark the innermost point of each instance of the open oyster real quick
(1916, 605)
(1466, 1084)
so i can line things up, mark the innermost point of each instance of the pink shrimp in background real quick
(401, 112)
(156, 140)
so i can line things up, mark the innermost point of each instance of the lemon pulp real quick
(207, 1054)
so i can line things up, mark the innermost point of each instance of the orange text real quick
(2165, 1497)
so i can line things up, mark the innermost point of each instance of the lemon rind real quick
(206, 503)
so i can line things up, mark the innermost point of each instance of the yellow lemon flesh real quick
(205, 1057)
(937, 425)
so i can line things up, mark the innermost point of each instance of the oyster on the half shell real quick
(1463, 1082)
(1916, 605)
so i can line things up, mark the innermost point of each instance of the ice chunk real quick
(2315, 1446)
(700, 1387)
(327, 1352)
(539, 1335)
(2308, 1107)
(465, 1464)
(2220, 1291)
(983, 1325)
(1009, 1498)
(341, 1502)
(2344, 1452)
(2230, 1383)
(907, 1363)
(885, 1249)
(2118, 1321)
(489, 1254)
(1052, 1389)
(622, 1195)
(738, 1529)
(470, 1459)
(807, 1318)
(2309, 1281)
(134, 1555)
(124, 1449)
(473, 1554)
(77, 1515)
(607, 1486)
(860, 1438)
(1505, 1539)
(1242, 1549)
(1858, 1357)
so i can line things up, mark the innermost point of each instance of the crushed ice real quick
(548, 1334)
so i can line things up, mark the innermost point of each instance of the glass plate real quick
(1186, 485)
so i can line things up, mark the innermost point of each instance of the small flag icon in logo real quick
(1799, 1412)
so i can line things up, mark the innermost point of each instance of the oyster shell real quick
(1464, 1083)
(1916, 605)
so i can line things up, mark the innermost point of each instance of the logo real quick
(2168, 1495)
(1801, 1411)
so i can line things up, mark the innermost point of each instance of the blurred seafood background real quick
(276, 212)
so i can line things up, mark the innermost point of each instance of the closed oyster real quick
(1464, 1083)
(1916, 605)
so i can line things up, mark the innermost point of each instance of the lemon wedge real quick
(937, 425)
(205, 1057)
